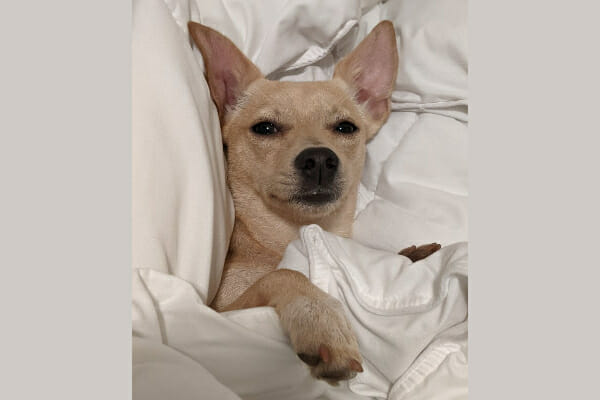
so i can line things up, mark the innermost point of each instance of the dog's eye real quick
(346, 127)
(265, 128)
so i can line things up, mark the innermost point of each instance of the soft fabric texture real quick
(413, 191)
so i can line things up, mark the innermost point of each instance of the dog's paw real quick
(418, 253)
(322, 337)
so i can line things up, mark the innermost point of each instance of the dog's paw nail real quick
(333, 376)
(324, 353)
(355, 366)
(311, 360)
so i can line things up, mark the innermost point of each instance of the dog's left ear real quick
(371, 71)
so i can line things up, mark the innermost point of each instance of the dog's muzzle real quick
(318, 169)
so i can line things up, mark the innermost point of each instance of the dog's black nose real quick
(317, 165)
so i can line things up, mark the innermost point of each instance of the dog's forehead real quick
(327, 97)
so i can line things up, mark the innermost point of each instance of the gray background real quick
(65, 166)
(65, 157)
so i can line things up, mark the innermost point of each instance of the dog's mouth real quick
(316, 197)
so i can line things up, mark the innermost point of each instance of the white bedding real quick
(410, 318)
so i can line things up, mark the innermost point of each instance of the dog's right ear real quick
(228, 71)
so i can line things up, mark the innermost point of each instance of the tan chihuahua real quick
(295, 154)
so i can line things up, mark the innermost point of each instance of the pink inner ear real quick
(230, 87)
(228, 71)
(371, 69)
(225, 88)
(376, 70)
(377, 108)
(375, 81)
(224, 59)
(363, 95)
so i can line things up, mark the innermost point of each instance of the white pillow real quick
(182, 210)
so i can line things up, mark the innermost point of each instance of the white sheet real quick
(413, 191)
(410, 318)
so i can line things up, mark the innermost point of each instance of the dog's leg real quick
(418, 253)
(315, 322)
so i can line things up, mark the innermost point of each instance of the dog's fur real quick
(271, 195)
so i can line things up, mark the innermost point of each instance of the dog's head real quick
(299, 146)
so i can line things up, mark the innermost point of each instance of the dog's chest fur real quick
(259, 239)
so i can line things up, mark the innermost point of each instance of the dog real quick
(295, 152)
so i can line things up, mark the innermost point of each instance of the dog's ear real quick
(228, 71)
(371, 71)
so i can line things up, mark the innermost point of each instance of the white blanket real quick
(410, 318)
